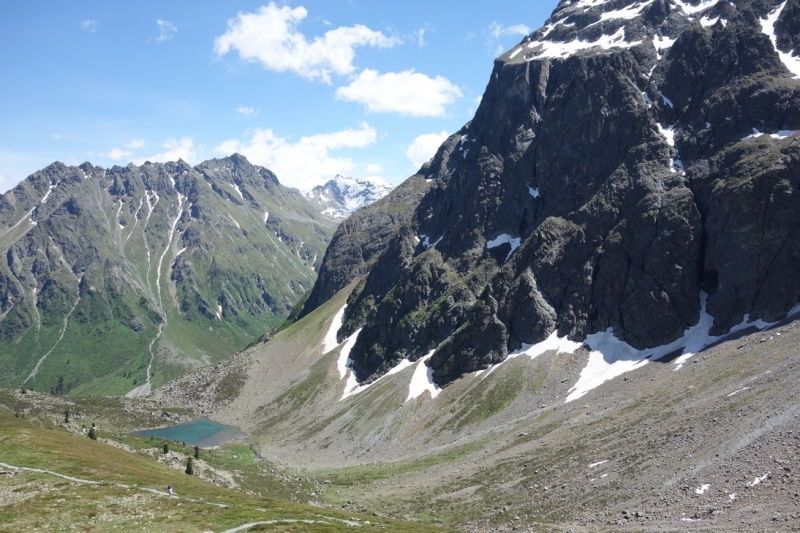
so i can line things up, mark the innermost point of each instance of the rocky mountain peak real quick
(340, 197)
(123, 277)
(631, 170)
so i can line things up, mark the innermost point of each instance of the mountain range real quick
(118, 279)
(580, 313)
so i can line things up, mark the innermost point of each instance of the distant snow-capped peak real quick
(341, 196)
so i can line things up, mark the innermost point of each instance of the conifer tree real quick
(197, 452)
(92, 435)
(166, 448)
(190, 466)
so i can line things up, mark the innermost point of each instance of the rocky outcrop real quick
(624, 158)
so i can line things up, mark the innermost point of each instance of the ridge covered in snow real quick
(340, 197)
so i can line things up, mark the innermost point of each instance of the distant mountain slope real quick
(114, 278)
(632, 172)
(341, 196)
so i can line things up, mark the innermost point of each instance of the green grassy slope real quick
(111, 272)
(117, 490)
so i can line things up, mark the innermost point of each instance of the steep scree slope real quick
(625, 159)
(114, 277)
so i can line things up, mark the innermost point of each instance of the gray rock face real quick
(609, 175)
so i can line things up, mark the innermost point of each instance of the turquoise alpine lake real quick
(202, 432)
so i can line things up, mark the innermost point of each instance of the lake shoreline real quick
(202, 432)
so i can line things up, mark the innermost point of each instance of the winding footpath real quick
(176, 497)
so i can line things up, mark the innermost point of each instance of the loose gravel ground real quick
(714, 446)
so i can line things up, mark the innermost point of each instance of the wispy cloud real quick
(135, 144)
(166, 30)
(308, 161)
(497, 32)
(404, 93)
(421, 37)
(270, 37)
(246, 110)
(89, 25)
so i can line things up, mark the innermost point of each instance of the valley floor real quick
(712, 445)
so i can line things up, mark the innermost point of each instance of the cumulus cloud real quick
(496, 32)
(117, 154)
(246, 110)
(174, 149)
(126, 153)
(374, 169)
(404, 93)
(166, 30)
(270, 36)
(89, 25)
(306, 162)
(424, 147)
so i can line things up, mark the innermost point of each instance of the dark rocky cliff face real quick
(624, 158)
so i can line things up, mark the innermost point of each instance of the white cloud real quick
(424, 147)
(117, 154)
(166, 30)
(7, 181)
(89, 25)
(174, 149)
(270, 37)
(405, 93)
(56, 135)
(246, 110)
(305, 163)
(497, 32)
(374, 169)
(421, 37)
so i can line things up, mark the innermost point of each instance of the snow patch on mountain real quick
(791, 62)
(341, 196)
(505, 238)
(329, 342)
(558, 49)
(611, 357)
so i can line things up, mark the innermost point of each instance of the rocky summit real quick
(631, 173)
(115, 280)
(342, 196)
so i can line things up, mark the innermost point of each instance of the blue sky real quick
(308, 88)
